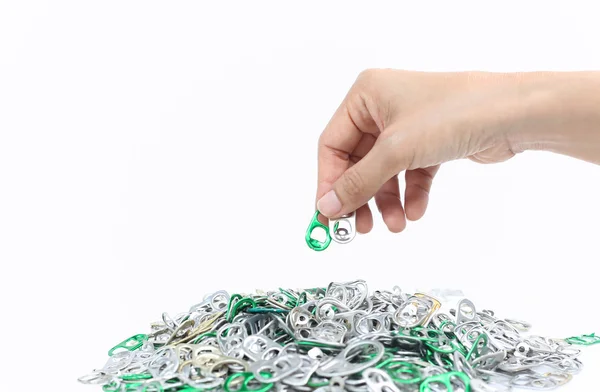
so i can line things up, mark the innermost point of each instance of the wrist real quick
(557, 112)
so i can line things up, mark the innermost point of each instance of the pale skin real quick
(393, 122)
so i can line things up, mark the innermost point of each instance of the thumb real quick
(359, 183)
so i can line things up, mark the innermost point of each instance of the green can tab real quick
(130, 344)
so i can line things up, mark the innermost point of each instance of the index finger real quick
(340, 141)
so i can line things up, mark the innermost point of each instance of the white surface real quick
(152, 152)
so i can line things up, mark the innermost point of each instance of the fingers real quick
(359, 183)
(389, 204)
(364, 219)
(418, 185)
(351, 132)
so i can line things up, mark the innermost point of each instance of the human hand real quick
(393, 121)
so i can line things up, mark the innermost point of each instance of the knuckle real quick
(423, 176)
(373, 79)
(369, 75)
(353, 183)
(372, 94)
(321, 141)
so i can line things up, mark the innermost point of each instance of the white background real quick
(152, 152)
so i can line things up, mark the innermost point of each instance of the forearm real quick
(558, 112)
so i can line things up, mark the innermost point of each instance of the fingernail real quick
(329, 204)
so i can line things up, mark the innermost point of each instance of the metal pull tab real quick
(343, 229)
(314, 243)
